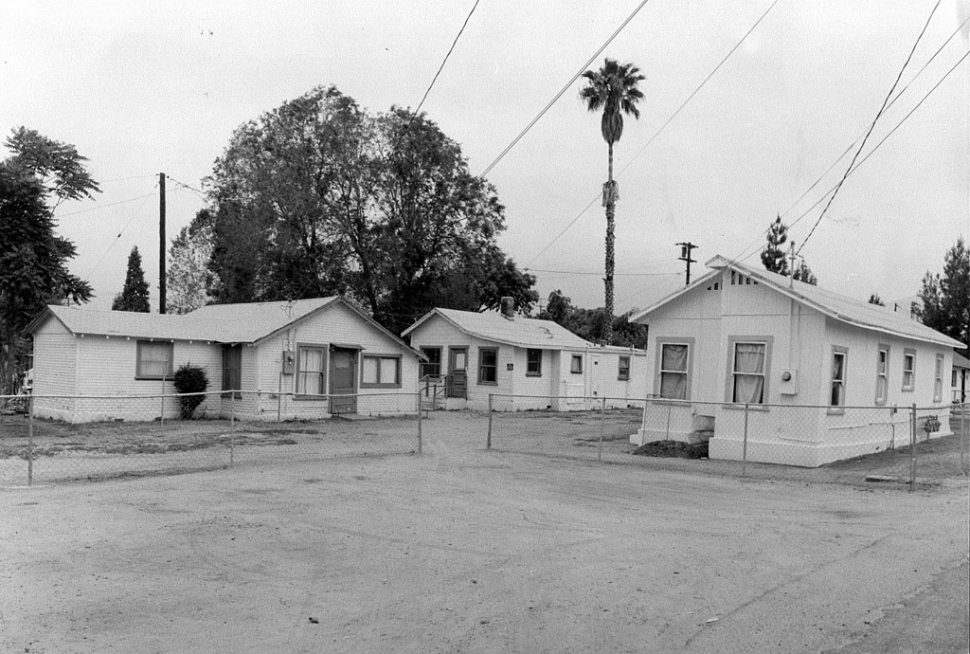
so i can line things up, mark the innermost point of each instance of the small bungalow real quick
(288, 360)
(801, 358)
(960, 379)
(525, 363)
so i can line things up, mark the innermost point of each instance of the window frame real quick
(659, 343)
(299, 379)
(575, 369)
(529, 372)
(909, 354)
(380, 358)
(623, 372)
(938, 379)
(839, 406)
(882, 376)
(482, 367)
(426, 350)
(140, 360)
(733, 341)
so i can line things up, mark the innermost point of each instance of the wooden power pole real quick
(685, 250)
(161, 242)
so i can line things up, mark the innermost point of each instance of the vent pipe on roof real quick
(508, 307)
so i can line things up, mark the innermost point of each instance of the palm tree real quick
(612, 88)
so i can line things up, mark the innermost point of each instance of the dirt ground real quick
(465, 550)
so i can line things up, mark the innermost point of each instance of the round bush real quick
(190, 379)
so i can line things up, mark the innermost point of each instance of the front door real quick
(343, 380)
(458, 372)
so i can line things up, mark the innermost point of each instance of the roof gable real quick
(838, 307)
(517, 331)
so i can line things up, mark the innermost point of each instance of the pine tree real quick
(946, 299)
(134, 297)
(773, 254)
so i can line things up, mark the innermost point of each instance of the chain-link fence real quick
(814, 443)
(51, 438)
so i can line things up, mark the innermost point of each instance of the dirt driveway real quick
(463, 550)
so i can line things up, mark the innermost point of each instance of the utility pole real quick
(161, 242)
(685, 250)
(791, 273)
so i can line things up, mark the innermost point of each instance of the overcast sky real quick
(142, 88)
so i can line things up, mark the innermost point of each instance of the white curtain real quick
(311, 371)
(749, 367)
(673, 372)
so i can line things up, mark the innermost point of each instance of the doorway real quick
(343, 380)
(458, 372)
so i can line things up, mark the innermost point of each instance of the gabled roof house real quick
(300, 359)
(804, 360)
(523, 363)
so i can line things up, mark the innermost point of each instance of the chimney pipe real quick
(508, 307)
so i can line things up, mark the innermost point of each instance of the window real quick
(310, 370)
(953, 378)
(748, 373)
(381, 372)
(882, 374)
(154, 360)
(231, 368)
(839, 357)
(576, 365)
(488, 365)
(533, 363)
(431, 367)
(673, 370)
(909, 369)
(938, 380)
(623, 371)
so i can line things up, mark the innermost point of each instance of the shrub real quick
(190, 379)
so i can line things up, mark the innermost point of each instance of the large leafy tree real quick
(945, 298)
(134, 294)
(189, 278)
(319, 197)
(612, 89)
(39, 174)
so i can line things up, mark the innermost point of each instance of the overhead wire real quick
(657, 133)
(123, 229)
(563, 90)
(872, 126)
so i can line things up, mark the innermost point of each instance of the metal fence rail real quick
(138, 435)
(811, 443)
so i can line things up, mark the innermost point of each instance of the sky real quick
(719, 151)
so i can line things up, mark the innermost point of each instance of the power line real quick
(674, 115)
(563, 90)
(105, 206)
(598, 273)
(871, 127)
(123, 229)
(743, 257)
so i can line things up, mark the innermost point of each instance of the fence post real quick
(667, 432)
(912, 449)
(599, 451)
(30, 440)
(744, 447)
(232, 428)
(964, 437)
(419, 421)
(162, 412)
(488, 441)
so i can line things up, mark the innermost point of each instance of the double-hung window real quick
(311, 370)
(938, 380)
(488, 365)
(623, 372)
(674, 358)
(381, 372)
(748, 373)
(882, 374)
(154, 360)
(909, 369)
(533, 364)
(576, 364)
(839, 357)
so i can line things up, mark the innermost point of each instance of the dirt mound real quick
(673, 449)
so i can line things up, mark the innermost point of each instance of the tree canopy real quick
(134, 295)
(774, 259)
(320, 197)
(189, 279)
(590, 324)
(33, 258)
(945, 298)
